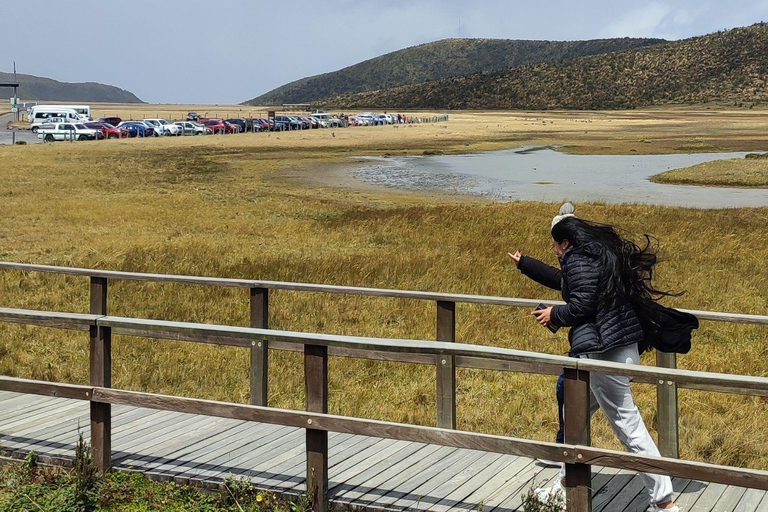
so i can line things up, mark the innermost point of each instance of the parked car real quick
(276, 125)
(192, 128)
(365, 119)
(193, 116)
(291, 122)
(106, 129)
(259, 124)
(114, 121)
(221, 126)
(241, 123)
(163, 127)
(384, 119)
(67, 131)
(137, 129)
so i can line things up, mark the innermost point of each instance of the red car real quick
(221, 126)
(107, 130)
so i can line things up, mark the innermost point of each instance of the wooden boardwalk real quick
(366, 473)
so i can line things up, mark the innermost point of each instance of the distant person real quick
(604, 279)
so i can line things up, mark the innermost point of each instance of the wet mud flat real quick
(544, 174)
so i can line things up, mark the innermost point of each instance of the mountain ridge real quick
(728, 66)
(33, 87)
(434, 60)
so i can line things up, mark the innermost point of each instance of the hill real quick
(725, 67)
(439, 59)
(39, 88)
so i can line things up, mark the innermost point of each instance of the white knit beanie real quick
(565, 211)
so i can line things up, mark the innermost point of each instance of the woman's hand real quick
(515, 257)
(543, 316)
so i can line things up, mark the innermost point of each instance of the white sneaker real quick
(655, 508)
(554, 495)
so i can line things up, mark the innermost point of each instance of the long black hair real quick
(628, 267)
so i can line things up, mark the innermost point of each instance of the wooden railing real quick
(576, 453)
(445, 367)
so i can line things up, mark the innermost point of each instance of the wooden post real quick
(316, 386)
(101, 375)
(260, 348)
(446, 369)
(577, 431)
(666, 403)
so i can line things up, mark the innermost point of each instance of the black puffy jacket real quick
(595, 328)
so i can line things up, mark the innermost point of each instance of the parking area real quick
(56, 128)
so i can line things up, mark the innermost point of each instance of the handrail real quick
(246, 336)
(568, 453)
(715, 316)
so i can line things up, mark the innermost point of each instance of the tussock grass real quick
(737, 172)
(276, 208)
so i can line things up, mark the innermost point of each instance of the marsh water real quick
(532, 174)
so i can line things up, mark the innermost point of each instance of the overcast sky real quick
(228, 51)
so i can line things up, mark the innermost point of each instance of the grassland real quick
(281, 207)
(744, 173)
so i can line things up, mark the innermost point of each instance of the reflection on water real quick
(548, 175)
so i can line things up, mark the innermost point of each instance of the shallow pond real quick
(547, 175)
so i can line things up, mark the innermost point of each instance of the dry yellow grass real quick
(746, 173)
(273, 207)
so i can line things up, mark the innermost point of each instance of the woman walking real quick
(606, 282)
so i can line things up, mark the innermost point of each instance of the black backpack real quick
(666, 329)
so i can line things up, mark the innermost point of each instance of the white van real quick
(84, 111)
(42, 113)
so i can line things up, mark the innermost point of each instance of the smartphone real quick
(553, 328)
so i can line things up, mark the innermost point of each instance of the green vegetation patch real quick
(28, 487)
(751, 172)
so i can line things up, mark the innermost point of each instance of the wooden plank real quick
(420, 497)
(729, 499)
(740, 477)
(350, 490)
(750, 500)
(259, 371)
(710, 495)
(343, 475)
(666, 405)
(71, 321)
(446, 479)
(544, 477)
(154, 447)
(60, 437)
(512, 485)
(688, 496)
(210, 451)
(617, 480)
(268, 440)
(134, 276)
(343, 448)
(33, 416)
(577, 431)
(287, 470)
(181, 444)
(43, 388)
(101, 375)
(445, 368)
(387, 479)
(623, 499)
(241, 336)
(205, 458)
(400, 485)
(373, 355)
(453, 496)
(316, 441)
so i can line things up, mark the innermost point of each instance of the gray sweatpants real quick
(612, 394)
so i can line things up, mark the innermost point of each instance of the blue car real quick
(137, 129)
